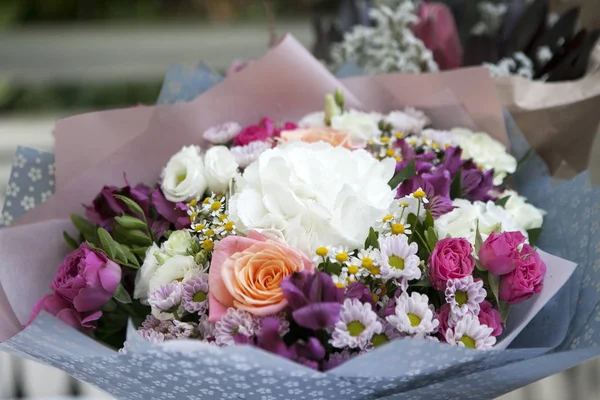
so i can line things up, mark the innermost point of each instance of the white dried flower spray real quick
(389, 46)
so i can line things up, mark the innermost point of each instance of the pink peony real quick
(499, 251)
(246, 273)
(437, 29)
(526, 279)
(450, 259)
(262, 132)
(489, 316)
(85, 281)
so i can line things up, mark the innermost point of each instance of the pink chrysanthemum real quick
(464, 295)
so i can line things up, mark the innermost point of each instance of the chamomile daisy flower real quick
(358, 323)
(340, 255)
(364, 264)
(413, 316)
(470, 333)
(341, 280)
(420, 195)
(464, 295)
(223, 133)
(398, 259)
(214, 205)
(321, 254)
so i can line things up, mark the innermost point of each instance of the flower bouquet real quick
(291, 243)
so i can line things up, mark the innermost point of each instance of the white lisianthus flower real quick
(527, 215)
(358, 125)
(409, 121)
(147, 271)
(313, 120)
(174, 269)
(183, 177)
(313, 194)
(462, 221)
(220, 168)
(178, 243)
(486, 152)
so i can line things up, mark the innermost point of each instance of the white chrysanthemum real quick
(525, 214)
(223, 133)
(413, 315)
(469, 333)
(232, 323)
(442, 138)
(486, 152)
(464, 295)
(360, 126)
(389, 45)
(246, 155)
(462, 221)
(309, 194)
(358, 323)
(183, 177)
(398, 259)
(409, 121)
(313, 120)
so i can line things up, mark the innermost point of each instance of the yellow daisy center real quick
(322, 251)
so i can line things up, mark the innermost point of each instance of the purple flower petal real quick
(318, 315)
(311, 350)
(360, 292)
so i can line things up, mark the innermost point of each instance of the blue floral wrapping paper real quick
(565, 333)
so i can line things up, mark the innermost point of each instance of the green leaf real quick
(109, 306)
(503, 308)
(129, 256)
(133, 206)
(425, 283)
(456, 186)
(130, 222)
(407, 172)
(524, 159)
(140, 251)
(479, 266)
(372, 239)
(108, 244)
(428, 220)
(412, 220)
(478, 238)
(432, 237)
(494, 282)
(121, 295)
(138, 238)
(70, 241)
(534, 235)
(87, 229)
(333, 268)
(502, 202)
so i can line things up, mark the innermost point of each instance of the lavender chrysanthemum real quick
(246, 155)
(195, 294)
(182, 330)
(233, 323)
(464, 295)
(166, 298)
(206, 329)
(223, 133)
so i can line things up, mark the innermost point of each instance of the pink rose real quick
(246, 273)
(499, 251)
(262, 132)
(526, 279)
(437, 29)
(450, 259)
(489, 316)
(85, 281)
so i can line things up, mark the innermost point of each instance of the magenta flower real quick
(500, 252)
(489, 316)
(526, 279)
(262, 132)
(85, 281)
(314, 299)
(174, 213)
(450, 259)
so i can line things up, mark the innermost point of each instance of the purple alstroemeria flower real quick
(308, 352)
(452, 161)
(175, 213)
(314, 299)
(475, 183)
(436, 186)
(106, 207)
(360, 292)
(421, 167)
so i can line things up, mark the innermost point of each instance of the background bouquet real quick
(429, 176)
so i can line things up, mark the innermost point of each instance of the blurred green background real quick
(22, 16)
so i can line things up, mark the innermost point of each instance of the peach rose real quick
(246, 273)
(313, 135)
